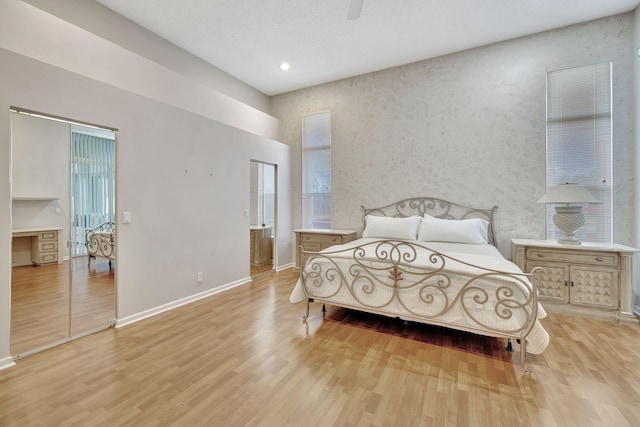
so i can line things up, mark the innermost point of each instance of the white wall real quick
(99, 20)
(31, 32)
(467, 127)
(183, 175)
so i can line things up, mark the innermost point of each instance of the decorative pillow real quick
(472, 230)
(384, 227)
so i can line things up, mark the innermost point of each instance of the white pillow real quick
(384, 227)
(472, 230)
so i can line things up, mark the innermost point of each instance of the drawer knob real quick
(541, 254)
(599, 259)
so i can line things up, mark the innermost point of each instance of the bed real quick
(430, 261)
(101, 241)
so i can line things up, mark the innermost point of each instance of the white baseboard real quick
(7, 362)
(284, 267)
(636, 310)
(174, 304)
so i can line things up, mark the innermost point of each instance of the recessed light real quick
(284, 66)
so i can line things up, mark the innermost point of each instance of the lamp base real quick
(568, 219)
(565, 241)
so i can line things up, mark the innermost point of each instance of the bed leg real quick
(306, 316)
(509, 346)
(523, 355)
(324, 309)
(109, 264)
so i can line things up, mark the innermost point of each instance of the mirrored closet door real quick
(262, 217)
(63, 192)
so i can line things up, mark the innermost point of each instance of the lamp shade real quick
(568, 193)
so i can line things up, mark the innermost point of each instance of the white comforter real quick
(454, 298)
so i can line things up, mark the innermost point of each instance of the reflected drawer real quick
(47, 257)
(48, 246)
(48, 235)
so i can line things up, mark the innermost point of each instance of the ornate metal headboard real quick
(434, 207)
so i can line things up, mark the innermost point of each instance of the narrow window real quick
(316, 171)
(579, 143)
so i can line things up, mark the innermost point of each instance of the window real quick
(579, 143)
(316, 171)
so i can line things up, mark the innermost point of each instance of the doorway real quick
(63, 184)
(262, 229)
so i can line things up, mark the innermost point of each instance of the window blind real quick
(316, 171)
(92, 185)
(579, 143)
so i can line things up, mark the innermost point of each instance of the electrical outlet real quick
(199, 276)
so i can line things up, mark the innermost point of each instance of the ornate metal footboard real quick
(100, 241)
(410, 281)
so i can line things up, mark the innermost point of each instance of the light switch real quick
(246, 213)
(126, 217)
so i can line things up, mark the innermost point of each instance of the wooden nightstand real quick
(580, 278)
(260, 246)
(317, 240)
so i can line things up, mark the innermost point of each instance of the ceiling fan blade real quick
(355, 8)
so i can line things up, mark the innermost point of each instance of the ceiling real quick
(249, 39)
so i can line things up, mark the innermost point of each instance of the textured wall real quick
(636, 71)
(467, 127)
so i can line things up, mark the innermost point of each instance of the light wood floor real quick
(244, 357)
(43, 303)
(257, 270)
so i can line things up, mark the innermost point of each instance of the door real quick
(262, 217)
(594, 286)
(93, 232)
(54, 295)
(40, 273)
(554, 280)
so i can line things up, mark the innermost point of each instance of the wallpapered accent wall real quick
(467, 127)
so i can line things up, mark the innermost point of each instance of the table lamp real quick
(568, 217)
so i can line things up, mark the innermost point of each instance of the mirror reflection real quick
(63, 178)
(262, 217)
(93, 229)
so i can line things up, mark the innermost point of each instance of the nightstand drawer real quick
(311, 247)
(320, 239)
(591, 258)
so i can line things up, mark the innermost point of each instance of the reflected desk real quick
(36, 246)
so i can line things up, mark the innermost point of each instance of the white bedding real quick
(453, 297)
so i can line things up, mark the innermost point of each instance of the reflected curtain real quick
(92, 185)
